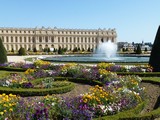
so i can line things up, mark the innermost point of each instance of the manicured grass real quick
(154, 79)
(5, 73)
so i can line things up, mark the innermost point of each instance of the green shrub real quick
(13, 69)
(155, 56)
(21, 51)
(3, 53)
(138, 50)
(36, 92)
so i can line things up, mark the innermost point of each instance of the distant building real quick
(133, 46)
(40, 38)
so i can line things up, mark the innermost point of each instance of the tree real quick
(89, 49)
(48, 50)
(3, 53)
(145, 49)
(138, 50)
(21, 51)
(155, 53)
(34, 49)
(60, 51)
(75, 49)
(12, 50)
(29, 49)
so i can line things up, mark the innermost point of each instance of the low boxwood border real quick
(141, 74)
(80, 80)
(36, 92)
(13, 69)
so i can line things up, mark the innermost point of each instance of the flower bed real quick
(114, 93)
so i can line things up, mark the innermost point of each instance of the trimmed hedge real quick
(80, 80)
(13, 69)
(141, 74)
(36, 92)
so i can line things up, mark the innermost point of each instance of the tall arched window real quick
(40, 39)
(25, 39)
(46, 39)
(40, 47)
(7, 39)
(52, 39)
(66, 39)
(16, 39)
(11, 39)
(20, 39)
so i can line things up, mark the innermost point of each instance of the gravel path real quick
(153, 92)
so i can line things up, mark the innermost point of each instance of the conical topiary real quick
(138, 51)
(21, 51)
(154, 60)
(3, 53)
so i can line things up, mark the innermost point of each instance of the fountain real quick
(106, 49)
(105, 52)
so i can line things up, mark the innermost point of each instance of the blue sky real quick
(134, 20)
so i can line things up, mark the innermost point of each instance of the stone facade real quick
(54, 38)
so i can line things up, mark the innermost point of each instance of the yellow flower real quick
(11, 109)
(5, 110)
(10, 95)
(10, 104)
(1, 113)
(5, 105)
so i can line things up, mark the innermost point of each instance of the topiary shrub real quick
(60, 50)
(138, 50)
(34, 49)
(155, 53)
(3, 53)
(21, 51)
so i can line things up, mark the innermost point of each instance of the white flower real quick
(7, 82)
(53, 104)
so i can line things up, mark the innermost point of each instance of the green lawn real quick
(5, 73)
(154, 79)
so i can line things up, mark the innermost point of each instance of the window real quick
(92, 40)
(85, 40)
(16, 39)
(46, 38)
(20, 39)
(78, 39)
(58, 39)
(25, 39)
(62, 39)
(11, 39)
(89, 40)
(81, 39)
(70, 39)
(52, 39)
(66, 39)
(7, 39)
(33, 39)
(74, 39)
(29, 39)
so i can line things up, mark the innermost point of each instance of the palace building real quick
(40, 38)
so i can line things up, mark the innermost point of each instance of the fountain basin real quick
(93, 59)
